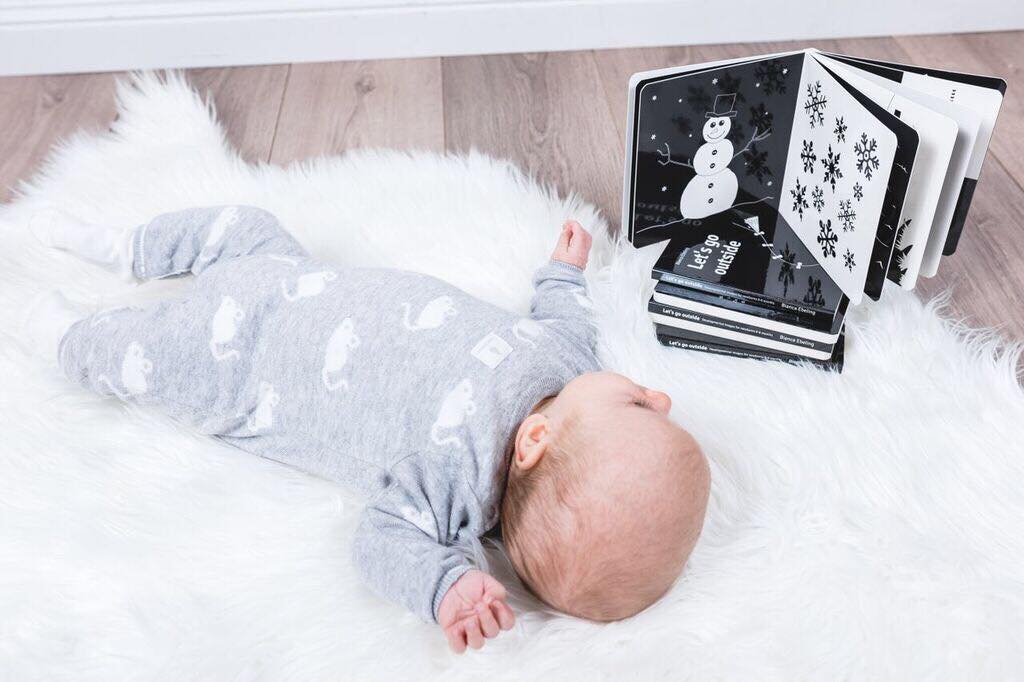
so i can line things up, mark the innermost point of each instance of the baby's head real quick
(605, 498)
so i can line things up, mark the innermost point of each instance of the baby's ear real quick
(531, 441)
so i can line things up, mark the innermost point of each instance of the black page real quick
(628, 219)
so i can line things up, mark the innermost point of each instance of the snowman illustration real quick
(714, 187)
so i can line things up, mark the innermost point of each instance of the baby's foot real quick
(108, 247)
(47, 318)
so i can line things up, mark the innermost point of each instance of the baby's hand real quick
(474, 608)
(573, 245)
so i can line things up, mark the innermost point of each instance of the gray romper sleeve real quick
(403, 545)
(560, 294)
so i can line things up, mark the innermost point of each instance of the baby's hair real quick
(554, 524)
(534, 543)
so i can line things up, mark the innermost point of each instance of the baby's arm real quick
(402, 550)
(193, 239)
(561, 289)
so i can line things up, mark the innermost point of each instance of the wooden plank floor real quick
(561, 116)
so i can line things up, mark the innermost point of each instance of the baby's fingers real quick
(456, 635)
(506, 619)
(580, 238)
(488, 623)
(473, 635)
(564, 236)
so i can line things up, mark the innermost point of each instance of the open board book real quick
(784, 188)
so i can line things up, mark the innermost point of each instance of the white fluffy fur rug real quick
(862, 526)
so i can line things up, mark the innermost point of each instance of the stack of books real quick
(783, 188)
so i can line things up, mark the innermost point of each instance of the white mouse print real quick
(225, 219)
(134, 368)
(583, 300)
(455, 407)
(336, 355)
(224, 327)
(284, 259)
(310, 284)
(527, 330)
(263, 416)
(423, 520)
(433, 314)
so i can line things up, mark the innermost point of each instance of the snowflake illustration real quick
(867, 159)
(840, 130)
(813, 295)
(808, 156)
(786, 274)
(818, 199)
(698, 99)
(799, 198)
(848, 260)
(814, 105)
(727, 83)
(827, 238)
(757, 164)
(772, 76)
(858, 192)
(847, 215)
(831, 166)
(760, 118)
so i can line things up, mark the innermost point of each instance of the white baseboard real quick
(87, 35)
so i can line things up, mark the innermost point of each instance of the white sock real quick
(47, 318)
(108, 247)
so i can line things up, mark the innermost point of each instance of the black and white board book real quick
(783, 188)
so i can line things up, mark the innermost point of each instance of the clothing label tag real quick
(491, 350)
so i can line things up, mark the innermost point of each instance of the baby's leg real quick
(171, 244)
(158, 355)
(193, 239)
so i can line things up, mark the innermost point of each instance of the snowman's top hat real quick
(723, 106)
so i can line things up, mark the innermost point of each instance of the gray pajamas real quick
(395, 382)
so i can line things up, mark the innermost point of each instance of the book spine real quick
(739, 327)
(716, 349)
(814, 318)
(803, 312)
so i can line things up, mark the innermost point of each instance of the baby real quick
(452, 414)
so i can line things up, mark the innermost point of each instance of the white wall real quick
(90, 35)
